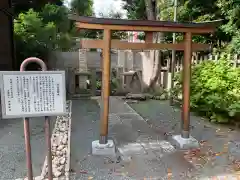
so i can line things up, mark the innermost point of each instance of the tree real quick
(152, 64)
(136, 9)
(230, 9)
(37, 33)
(21, 6)
(56, 14)
(82, 7)
(115, 34)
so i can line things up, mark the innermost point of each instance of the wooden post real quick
(149, 37)
(165, 79)
(120, 78)
(105, 86)
(186, 85)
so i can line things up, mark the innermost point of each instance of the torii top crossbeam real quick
(142, 25)
(148, 27)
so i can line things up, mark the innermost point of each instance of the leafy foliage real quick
(23, 6)
(226, 36)
(115, 34)
(82, 7)
(38, 32)
(135, 9)
(215, 89)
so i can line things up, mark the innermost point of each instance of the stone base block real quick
(103, 149)
(186, 143)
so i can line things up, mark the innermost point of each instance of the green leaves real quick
(37, 33)
(215, 89)
(82, 7)
(136, 9)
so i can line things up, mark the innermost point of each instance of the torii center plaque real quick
(33, 93)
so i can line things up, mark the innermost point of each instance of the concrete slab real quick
(103, 149)
(186, 143)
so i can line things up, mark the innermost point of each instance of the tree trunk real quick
(152, 63)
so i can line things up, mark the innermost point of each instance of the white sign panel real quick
(33, 93)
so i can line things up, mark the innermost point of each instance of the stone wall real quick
(130, 60)
(63, 60)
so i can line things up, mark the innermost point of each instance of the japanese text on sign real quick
(29, 95)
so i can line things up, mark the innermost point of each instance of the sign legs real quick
(48, 143)
(28, 148)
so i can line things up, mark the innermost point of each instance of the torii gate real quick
(108, 25)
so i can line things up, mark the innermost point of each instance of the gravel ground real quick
(12, 148)
(219, 152)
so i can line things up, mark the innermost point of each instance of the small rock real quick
(64, 150)
(60, 147)
(140, 97)
(60, 168)
(57, 173)
(62, 161)
(62, 129)
(58, 153)
(54, 144)
(64, 140)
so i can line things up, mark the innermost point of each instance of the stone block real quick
(104, 149)
(185, 143)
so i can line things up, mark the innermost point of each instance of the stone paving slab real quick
(142, 152)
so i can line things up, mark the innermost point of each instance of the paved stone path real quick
(142, 151)
(219, 154)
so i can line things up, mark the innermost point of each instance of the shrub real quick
(215, 90)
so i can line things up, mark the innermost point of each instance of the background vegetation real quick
(215, 87)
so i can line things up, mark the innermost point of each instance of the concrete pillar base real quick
(103, 149)
(185, 143)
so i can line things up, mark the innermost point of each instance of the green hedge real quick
(215, 90)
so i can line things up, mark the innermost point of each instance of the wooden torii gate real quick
(108, 25)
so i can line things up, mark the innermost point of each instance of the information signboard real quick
(32, 93)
